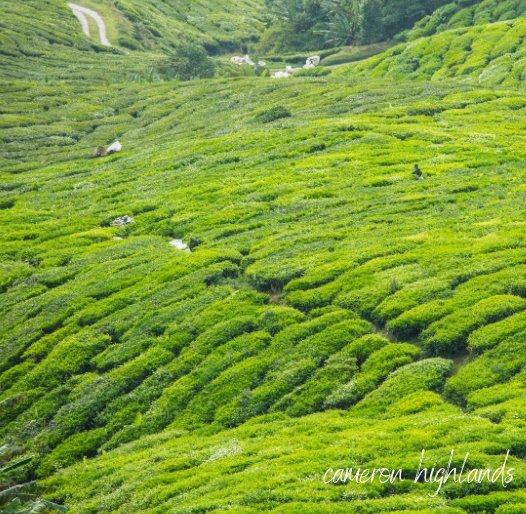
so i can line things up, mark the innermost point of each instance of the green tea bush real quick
(276, 318)
(376, 368)
(513, 508)
(319, 71)
(311, 395)
(82, 444)
(493, 334)
(495, 366)
(302, 266)
(305, 300)
(413, 321)
(429, 374)
(414, 403)
(411, 296)
(80, 412)
(70, 357)
(496, 394)
(277, 112)
(450, 333)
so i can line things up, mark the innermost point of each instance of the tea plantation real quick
(332, 312)
(467, 13)
(490, 55)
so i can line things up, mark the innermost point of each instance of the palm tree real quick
(344, 22)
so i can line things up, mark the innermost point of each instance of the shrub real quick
(496, 394)
(7, 204)
(378, 366)
(449, 334)
(277, 112)
(187, 62)
(411, 296)
(408, 324)
(71, 356)
(416, 402)
(426, 375)
(312, 298)
(83, 444)
(277, 318)
(514, 508)
(319, 71)
(493, 334)
(494, 366)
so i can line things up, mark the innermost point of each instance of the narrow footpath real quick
(82, 13)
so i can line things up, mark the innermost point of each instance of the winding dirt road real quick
(81, 13)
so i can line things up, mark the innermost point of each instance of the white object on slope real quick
(281, 75)
(312, 62)
(114, 148)
(242, 60)
(179, 245)
(122, 221)
(81, 13)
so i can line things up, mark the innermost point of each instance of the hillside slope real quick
(457, 15)
(490, 55)
(55, 49)
(142, 35)
(133, 24)
(220, 26)
(313, 238)
(328, 311)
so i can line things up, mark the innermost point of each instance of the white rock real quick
(313, 61)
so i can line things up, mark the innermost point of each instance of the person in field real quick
(417, 172)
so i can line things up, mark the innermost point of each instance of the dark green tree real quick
(400, 14)
(312, 24)
(298, 15)
(188, 62)
(343, 25)
(371, 24)
(295, 24)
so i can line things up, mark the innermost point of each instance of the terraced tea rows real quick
(492, 55)
(460, 14)
(322, 277)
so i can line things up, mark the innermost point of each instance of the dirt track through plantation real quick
(81, 13)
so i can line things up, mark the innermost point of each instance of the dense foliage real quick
(311, 24)
(187, 62)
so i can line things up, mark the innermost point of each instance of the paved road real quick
(81, 13)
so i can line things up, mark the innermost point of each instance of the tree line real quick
(313, 24)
